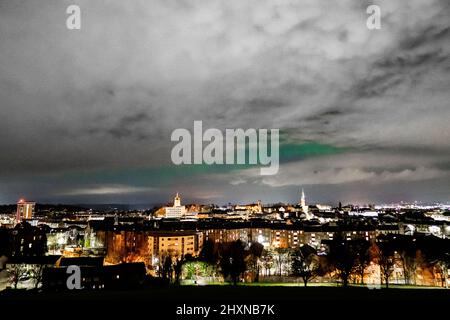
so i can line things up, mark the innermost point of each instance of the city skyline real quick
(300, 201)
(86, 115)
(214, 158)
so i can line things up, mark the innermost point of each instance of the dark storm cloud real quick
(429, 34)
(127, 126)
(259, 104)
(108, 96)
(326, 115)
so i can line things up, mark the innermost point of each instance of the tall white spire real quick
(303, 200)
(304, 206)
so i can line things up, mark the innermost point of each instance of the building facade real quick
(177, 211)
(175, 244)
(25, 210)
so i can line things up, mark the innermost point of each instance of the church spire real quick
(303, 199)
(304, 206)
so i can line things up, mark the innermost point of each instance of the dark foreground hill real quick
(351, 303)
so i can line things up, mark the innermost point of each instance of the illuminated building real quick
(175, 244)
(253, 208)
(286, 238)
(177, 211)
(25, 210)
(177, 201)
(304, 206)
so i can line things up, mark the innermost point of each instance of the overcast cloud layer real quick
(86, 116)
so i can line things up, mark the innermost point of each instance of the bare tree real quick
(409, 264)
(167, 268)
(255, 252)
(305, 263)
(407, 251)
(232, 260)
(178, 268)
(37, 274)
(267, 261)
(210, 255)
(281, 258)
(343, 257)
(363, 258)
(443, 265)
(16, 273)
(386, 261)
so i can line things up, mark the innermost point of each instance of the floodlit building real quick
(25, 210)
(175, 244)
(177, 210)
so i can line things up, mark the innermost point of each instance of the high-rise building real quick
(25, 210)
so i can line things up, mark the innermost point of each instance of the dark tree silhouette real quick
(232, 260)
(255, 251)
(410, 262)
(166, 267)
(178, 268)
(386, 260)
(407, 252)
(305, 263)
(5, 242)
(342, 257)
(209, 253)
(436, 252)
(363, 258)
(443, 263)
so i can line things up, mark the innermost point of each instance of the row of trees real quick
(409, 254)
(349, 259)
(345, 260)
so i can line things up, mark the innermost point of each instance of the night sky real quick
(86, 115)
